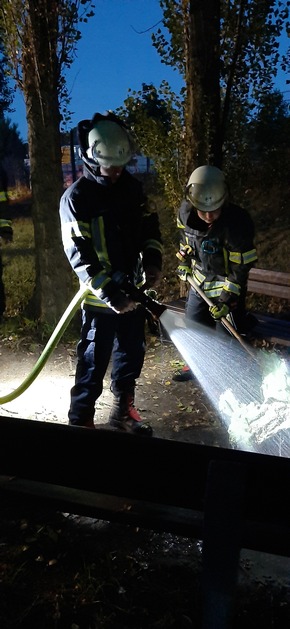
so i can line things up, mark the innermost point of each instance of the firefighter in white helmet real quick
(109, 233)
(217, 250)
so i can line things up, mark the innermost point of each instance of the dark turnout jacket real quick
(107, 227)
(222, 254)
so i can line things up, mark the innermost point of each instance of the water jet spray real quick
(223, 320)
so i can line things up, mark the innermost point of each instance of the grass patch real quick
(19, 281)
(19, 267)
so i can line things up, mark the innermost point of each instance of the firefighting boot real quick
(87, 424)
(183, 375)
(125, 416)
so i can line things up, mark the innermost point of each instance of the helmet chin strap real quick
(92, 167)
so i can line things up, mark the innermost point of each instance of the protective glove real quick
(152, 276)
(115, 298)
(120, 303)
(185, 253)
(219, 310)
(183, 270)
(185, 257)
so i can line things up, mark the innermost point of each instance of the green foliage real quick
(170, 44)
(257, 150)
(60, 32)
(249, 58)
(10, 141)
(249, 54)
(271, 122)
(6, 93)
(249, 37)
(270, 133)
(156, 120)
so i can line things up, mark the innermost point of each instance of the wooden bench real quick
(271, 283)
(230, 499)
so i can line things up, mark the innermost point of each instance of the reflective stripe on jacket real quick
(222, 254)
(107, 228)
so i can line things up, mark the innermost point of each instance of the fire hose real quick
(223, 320)
(137, 294)
(142, 298)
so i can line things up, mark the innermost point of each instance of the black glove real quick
(116, 299)
(152, 276)
(120, 303)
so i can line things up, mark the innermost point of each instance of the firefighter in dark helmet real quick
(217, 250)
(6, 231)
(109, 232)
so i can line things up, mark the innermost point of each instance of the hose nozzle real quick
(140, 296)
(155, 307)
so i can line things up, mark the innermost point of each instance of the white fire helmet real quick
(207, 188)
(109, 144)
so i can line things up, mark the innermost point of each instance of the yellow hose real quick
(51, 344)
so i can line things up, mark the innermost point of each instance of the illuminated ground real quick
(176, 410)
(62, 571)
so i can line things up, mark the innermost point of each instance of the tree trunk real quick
(202, 117)
(53, 288)
(53, 274)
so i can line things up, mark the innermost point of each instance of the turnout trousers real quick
(106, 335)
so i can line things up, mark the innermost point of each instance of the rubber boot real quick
(183, 375)
(88, 424)
(125, 416)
